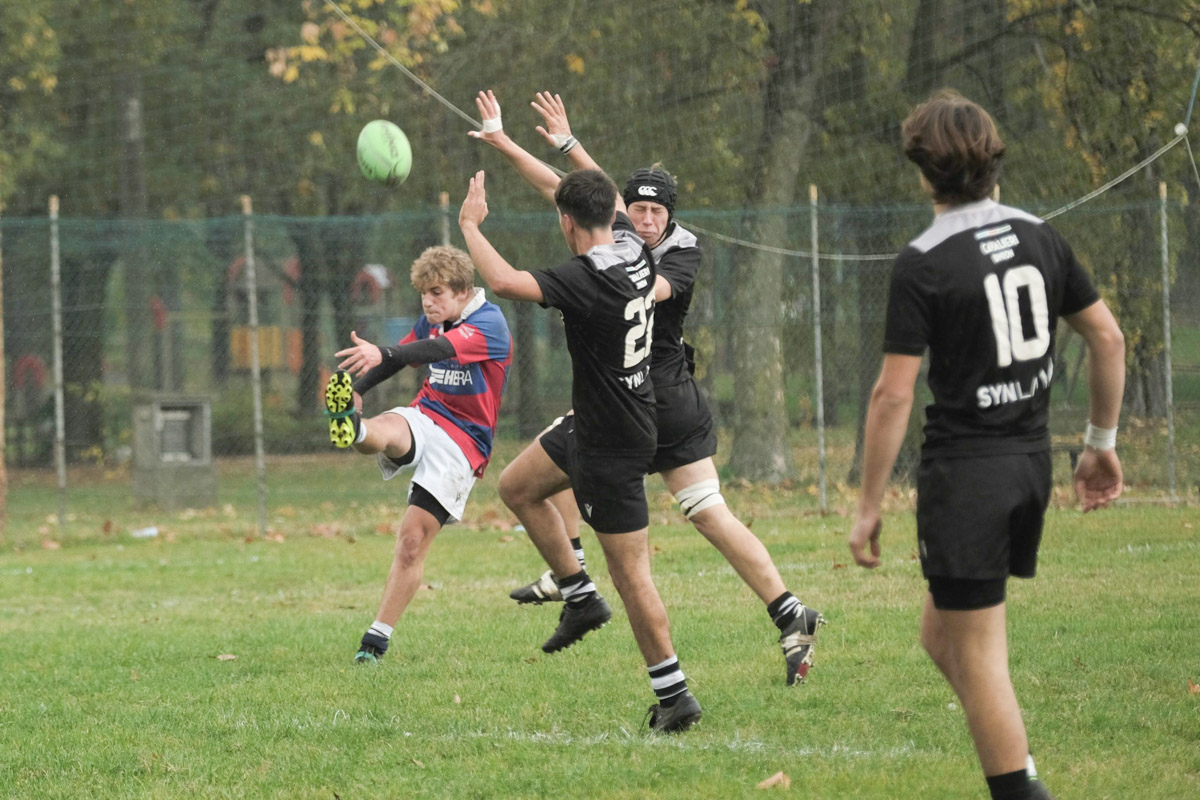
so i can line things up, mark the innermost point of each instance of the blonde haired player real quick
(445, 437)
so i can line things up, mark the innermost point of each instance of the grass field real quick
(114, 685)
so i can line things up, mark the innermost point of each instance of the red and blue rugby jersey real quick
(462, 394)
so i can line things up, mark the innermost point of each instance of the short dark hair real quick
(587, 196)
(956, 145)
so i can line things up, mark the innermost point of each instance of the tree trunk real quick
(85, 275)
(308, 293)
(134, 205)
(3, 402)
(796, 33)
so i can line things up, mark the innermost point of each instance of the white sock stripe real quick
(382, 628)
(673, 660)
(789, 605)
(669, 680)
(570, 591)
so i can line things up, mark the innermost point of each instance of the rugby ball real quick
(384, 155)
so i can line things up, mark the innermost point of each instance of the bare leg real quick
(388, 434)
(628, 557)
(971, 650)
(417, 530)
(526, 485)
(741, 548)
(564, 502)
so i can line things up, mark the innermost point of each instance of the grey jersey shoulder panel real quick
(625, 249)
(679, 237)
(968, 217)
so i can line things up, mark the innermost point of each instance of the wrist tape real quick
(1100, 438)
(564, 143)
(492, 125)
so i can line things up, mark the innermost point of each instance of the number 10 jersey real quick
(983, 288)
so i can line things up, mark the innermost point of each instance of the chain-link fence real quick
(162, 309)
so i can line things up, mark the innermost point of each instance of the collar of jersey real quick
(470, 308)
(967, 208)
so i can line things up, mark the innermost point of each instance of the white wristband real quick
(566, 143)
(1100, 438)
(492, 125)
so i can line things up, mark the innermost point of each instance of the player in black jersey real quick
(686, 436)
(603, 450)
(982, 289)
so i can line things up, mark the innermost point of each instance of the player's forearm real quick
(537, 174)
(580, 158)
(424, 351)
(887, 421)
(497, 273)
(1106, 380)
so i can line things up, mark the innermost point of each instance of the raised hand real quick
(489, 111)
(359, 359)
(557, 129)
(474, 208)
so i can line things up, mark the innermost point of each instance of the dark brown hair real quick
(587, 196)
(956, 145)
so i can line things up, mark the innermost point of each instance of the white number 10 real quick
(1011, 343)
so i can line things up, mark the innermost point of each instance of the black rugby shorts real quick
(685, 426)
(980, 518)
(610, 490)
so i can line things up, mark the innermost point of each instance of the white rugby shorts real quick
(438, 463)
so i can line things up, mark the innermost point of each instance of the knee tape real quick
(699, 496)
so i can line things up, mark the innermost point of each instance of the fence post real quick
(444, 203)
(1166, 302)
(60, 433)
(260, 469)
(820, 367)
(3, 403)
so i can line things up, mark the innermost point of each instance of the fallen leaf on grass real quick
(837, 565)
(50, 544)
(274, 536)
(418, 763)
(457, 699)
(1193, 688)
(134, 676)
(225, 657)
(507, 539)
(778, 779)
(107, 527)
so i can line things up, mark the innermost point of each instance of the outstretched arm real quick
(536, 173)
(499, 275)
(1098, 476)
(557, 132)
(373, 364)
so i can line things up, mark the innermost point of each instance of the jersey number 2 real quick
(643, 309)
(1004, 305)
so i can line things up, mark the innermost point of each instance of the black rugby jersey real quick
(983, 288)
(606, 297)
(677, 258)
